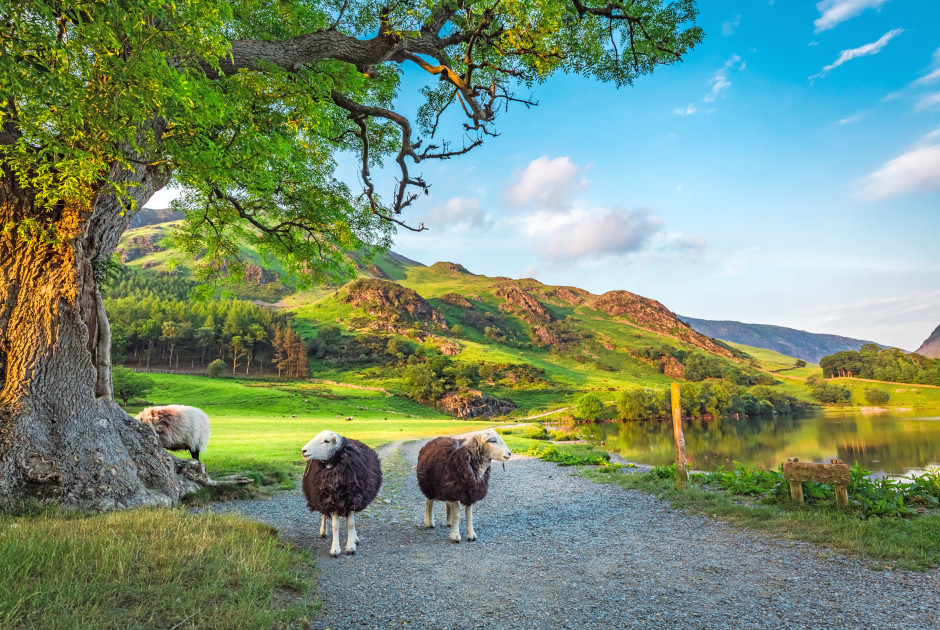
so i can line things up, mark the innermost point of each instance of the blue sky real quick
(787, 172)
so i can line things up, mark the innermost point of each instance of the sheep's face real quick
(322, 447)
(495, 447)
(159, 419)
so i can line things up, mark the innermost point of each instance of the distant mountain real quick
(790, 341)
(931, 346)
(153, 216)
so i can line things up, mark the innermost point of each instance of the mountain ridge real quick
(789, 341)
(931, 345)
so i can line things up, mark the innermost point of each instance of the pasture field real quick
(260, 426)
(903, 395)
(770, 360)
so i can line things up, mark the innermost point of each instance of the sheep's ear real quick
(333, 439)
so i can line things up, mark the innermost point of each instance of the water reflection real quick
(891, 442)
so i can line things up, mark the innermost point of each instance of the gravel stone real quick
(558, 551)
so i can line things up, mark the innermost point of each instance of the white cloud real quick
(688, 111)
(928, 101)
(531, 272)
(862, 51)
(728, 28)
(550, 183)
(584, 234)
(719, 81)
(851, 119)
(918, 170)
(934, 75)
(834, 12)
(459, 211)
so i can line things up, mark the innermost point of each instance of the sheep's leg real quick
(322, 525)
(454, 509)
(351, 537)
(471, 535)
(334, 548)
(429, 514)
(450, 513)
(194, 454)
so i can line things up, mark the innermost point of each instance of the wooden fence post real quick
(681, 473)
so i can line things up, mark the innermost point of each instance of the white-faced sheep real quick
(457, 470)
(343, 476)
(179, 427)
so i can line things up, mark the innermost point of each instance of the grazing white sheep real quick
(343, 476)
(457, 470)
(179, 427)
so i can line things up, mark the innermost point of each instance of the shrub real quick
(215, 368)
(875, 396)
(590, 407)
(129, 384)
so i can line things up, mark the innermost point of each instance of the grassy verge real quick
(886, 542)
(148, 569)
(533, 440)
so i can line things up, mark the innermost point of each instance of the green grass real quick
(901, 395)
(771, 360)
(886, 542)
(157, 568)
(253, 429)
(526, 439)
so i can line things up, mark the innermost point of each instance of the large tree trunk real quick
(63, 439)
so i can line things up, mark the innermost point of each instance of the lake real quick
(892, 442)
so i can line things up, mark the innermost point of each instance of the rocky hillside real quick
(789, 341)
(931, 345)
(652, 315)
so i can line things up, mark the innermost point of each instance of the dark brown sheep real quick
(457, 470)
(343, 476)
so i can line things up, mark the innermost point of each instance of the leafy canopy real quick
(249, 104)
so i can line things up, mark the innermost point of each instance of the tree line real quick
(708, 398)
(154, 325)
(880, 364)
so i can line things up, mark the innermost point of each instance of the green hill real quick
(500, 342)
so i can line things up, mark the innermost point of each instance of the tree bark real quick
(63, 439)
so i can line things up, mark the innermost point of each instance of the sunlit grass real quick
(254, 428)
(158, 568)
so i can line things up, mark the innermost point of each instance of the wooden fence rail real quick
(836, 473)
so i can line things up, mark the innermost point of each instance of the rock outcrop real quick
(456, 300)
(256, 274)
(383, 298)
(652, 315)
(475, 404)
(567, 295)
(517, 301)
(139, 246)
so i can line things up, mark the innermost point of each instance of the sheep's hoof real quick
(350, 552)
(455, 540)
(322, 535)
(471, 538)
(334, 553)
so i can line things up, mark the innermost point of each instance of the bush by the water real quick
(875, 396)
(868, 496)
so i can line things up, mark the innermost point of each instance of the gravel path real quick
(557, 551)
